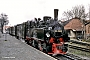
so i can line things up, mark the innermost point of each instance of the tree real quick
(3, 21)
(76, 12)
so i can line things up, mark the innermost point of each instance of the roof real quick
(74, 24)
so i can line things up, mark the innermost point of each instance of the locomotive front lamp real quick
(47, 34)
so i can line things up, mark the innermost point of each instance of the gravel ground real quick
(14, 49)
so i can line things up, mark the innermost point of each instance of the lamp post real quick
(5, 22)
(5, 34)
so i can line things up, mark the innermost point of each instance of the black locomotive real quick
(47, 35)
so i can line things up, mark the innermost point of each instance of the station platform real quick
(14, 49)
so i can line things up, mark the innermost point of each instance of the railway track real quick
(73, 57)
(79, 48)
(69, 56)
(82, 43)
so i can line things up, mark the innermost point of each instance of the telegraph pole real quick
(5, 34)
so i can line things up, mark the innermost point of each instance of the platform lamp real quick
(5, 23)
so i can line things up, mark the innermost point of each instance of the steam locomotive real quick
(47, 35)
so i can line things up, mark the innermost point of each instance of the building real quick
(75, 28)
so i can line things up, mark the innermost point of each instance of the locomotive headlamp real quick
(47, 34)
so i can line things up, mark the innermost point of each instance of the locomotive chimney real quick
(55, 14)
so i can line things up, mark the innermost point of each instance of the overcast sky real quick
(20, 11)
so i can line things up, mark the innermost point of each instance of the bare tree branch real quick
(77, 11)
